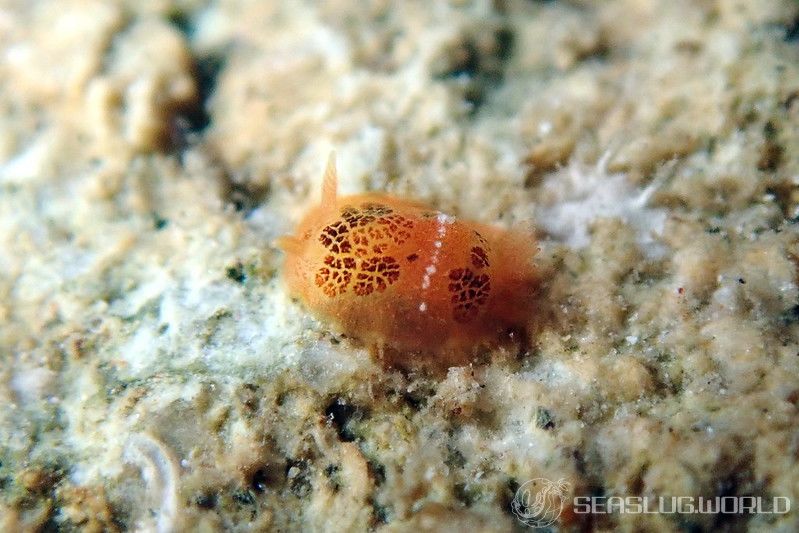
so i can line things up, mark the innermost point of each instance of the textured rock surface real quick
(154, 373)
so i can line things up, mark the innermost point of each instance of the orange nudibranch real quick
(398, 274)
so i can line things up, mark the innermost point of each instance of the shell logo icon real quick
(539, 502)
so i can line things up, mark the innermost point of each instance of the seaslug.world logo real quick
(539, 502)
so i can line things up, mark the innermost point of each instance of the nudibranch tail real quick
(288, 243)
(330, 181)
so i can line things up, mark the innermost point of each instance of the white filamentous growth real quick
(581, 196)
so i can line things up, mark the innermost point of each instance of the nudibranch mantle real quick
(396, 273)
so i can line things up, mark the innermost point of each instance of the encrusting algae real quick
(398, 274)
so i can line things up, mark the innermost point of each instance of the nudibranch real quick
(399, 274)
